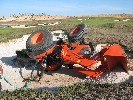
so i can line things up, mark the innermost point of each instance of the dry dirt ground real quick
(65, 76)
(51, 80)
(49, 17)
(31, 18)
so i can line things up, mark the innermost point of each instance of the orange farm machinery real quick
(50, 56)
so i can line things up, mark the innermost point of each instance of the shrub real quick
(77, 91)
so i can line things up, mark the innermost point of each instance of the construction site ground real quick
(13, 75)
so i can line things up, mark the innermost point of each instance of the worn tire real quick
(77, 35)
(38, 42)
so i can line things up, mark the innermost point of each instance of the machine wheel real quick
(38, 42)
(77, 35)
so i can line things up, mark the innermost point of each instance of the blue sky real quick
(65, 7)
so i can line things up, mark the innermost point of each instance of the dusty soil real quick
(117, 15)
(48, 17)
(65, 77)
(31, 18)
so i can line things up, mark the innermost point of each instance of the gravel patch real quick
(50, 80)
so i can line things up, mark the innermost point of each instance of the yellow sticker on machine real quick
(78, 61)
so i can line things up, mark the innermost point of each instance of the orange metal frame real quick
(109, 57)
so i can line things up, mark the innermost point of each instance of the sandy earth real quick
(30, 18)
(48, 17)
(50, 80)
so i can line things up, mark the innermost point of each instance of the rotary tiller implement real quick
(52, 56)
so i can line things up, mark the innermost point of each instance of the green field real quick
(101, 30)
(106, 30)
(98, 21)
(12, 33)
(8, 33)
